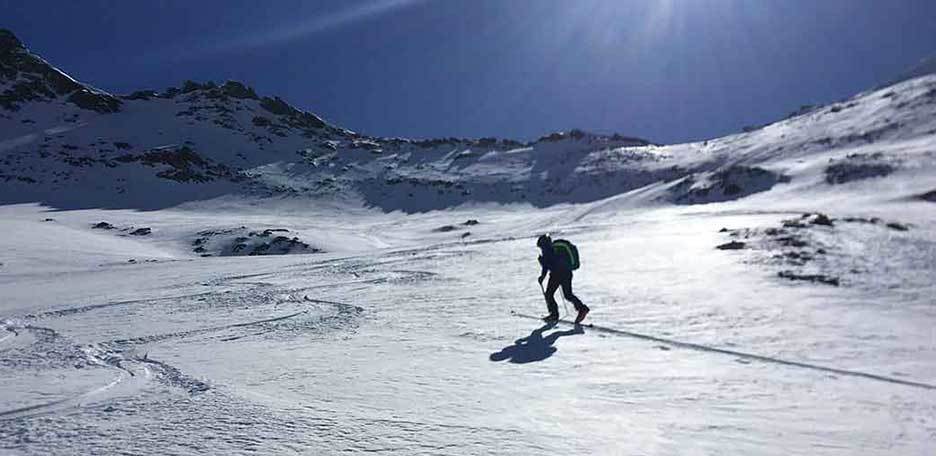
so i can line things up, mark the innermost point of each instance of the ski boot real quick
(581, 315)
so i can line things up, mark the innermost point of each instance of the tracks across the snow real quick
(742, 355)
(238, 310)
(126, 382)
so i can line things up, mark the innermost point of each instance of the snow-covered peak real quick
(25, 77)
(206, 140)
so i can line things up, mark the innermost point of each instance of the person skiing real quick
(559, 258)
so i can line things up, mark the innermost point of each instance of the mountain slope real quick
(69, 146)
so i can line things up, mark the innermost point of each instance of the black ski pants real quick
(561, 279)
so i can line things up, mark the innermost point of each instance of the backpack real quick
(569, 250)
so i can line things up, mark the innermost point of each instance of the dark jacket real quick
(554, 261)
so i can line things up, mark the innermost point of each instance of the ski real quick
(561, 320)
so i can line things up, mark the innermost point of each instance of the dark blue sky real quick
(666, 70)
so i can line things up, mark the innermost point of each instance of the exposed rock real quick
(294, 117)
(141, 95)
(821, 219)
(578, 135)
(726, 184)
(733, 245)
(31, 78)
(470, 222)
(93, 101)
(928, 196)
(897, 226)
(855, 167)
(810, 246)
(872, 220)
(804, 109)
(241, 242)
(185, 165)
(553, 137)
(192, 86)
(236, 89)
(145, 231)
(816, 278)
(445, 229)
(102, 226)
(277, 106)
(9, 42)
(791, 241)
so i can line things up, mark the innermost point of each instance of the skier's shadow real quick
(534, 347)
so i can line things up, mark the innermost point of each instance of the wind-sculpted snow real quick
(46, 351)
(413, 350)
(213, 423)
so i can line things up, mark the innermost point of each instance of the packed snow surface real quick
(403, 339)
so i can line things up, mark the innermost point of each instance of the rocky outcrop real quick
(733, 245)
(292, 116)
(615, 140)
(141, 95)
(817, 248)
(726, 184)
(94, 101)
(28, 77)
(928, 196)
(858, 167)
(236, 89)
(243, 242)
(182, 165)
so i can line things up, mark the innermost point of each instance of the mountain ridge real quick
(68, 145)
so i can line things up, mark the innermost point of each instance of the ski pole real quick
(565, 306)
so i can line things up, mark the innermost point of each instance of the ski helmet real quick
(543, 241)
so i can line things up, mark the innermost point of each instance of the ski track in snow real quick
(80, 405)
(743, 355)
(133, 368)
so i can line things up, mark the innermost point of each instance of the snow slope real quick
(132, 323)
(413, 350)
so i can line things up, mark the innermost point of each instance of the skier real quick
(560, 258)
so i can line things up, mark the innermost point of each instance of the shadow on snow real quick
(534, 347)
